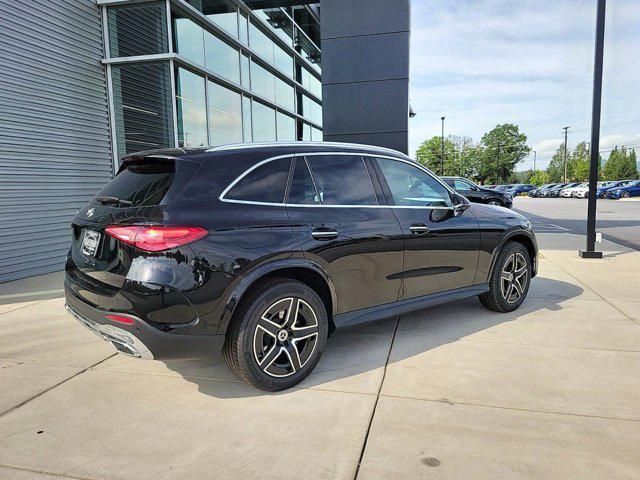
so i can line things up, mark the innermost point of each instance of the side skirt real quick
(401, 307)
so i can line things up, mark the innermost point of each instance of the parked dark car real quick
(521, 188)
(600, 193)
(261, 251)
(553, 192)
(537, 191)
(478, 194)
(630, 189)
(503, 188)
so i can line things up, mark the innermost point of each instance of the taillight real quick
(121, 319)
(155, 238)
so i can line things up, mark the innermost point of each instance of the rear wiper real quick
(109, 200)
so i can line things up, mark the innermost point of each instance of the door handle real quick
(419, 228)
(324, 234)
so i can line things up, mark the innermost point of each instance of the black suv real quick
(261, 251)
(478, 194)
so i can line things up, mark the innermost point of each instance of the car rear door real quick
(337, 213)
(441, 244)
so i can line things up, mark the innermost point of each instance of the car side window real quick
(342, 180)
(411, 186)
(302, 191)
(461, 185)
(264, 184)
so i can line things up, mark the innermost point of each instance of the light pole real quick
(442, 149)
(565, 153)
(535, 155)
(590, 252)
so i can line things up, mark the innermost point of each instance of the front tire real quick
(510, 279)
(624, 195)
(495, 202)
(277, 336)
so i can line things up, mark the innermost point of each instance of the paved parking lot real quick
(549, 391)
(619, 221)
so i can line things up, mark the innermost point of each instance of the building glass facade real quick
(211, 72)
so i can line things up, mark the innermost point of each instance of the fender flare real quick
(248, 279)
(509, 235)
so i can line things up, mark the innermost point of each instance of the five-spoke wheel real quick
(277, 334)
(509, 282)
(285, 337)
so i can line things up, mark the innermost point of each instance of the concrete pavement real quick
(549, 391)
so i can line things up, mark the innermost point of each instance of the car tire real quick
(510, 279)
(277, 335)
(495, 202)
(624, 195)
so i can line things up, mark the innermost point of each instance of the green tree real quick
(621, 164)
(461, 156)
(578, 163)
(539, 177)
(429, 154)
(555, 170)
(503, 148)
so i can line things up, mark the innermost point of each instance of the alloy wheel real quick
(514, 278)
(285, 337)
(495, 202)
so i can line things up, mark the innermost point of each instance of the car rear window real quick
(141, 183)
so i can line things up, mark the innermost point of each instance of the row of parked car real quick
(612, 189)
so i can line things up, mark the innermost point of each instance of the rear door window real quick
(302, 191)
(342, 180)
(264, 184)
(141, 183)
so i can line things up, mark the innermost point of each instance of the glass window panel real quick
(413, 187)
(246, 119)
(263, 184)
(278, 22)
(142, 107)
(302, 191)
(188, 39)
(244, 67)
(304, 132)
(137, 29)
(260, 43)
(316, 113)
(315, 86)
(304, 106)
(264, 123)
(342, 180)
(244, 29)
(225, 115)
(262, 82)
(316, 135)
(222, 58)
(286, 128)
(221, 12)
(191, 109)
(283, 61)
(285, 95)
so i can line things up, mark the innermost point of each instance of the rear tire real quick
(510, 279)
(277, 335)
(495, 202)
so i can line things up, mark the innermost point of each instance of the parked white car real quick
(568, 190)
(582, 191)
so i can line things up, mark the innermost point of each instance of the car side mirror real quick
(460, 203)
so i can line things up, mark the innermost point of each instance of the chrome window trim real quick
(413, 163)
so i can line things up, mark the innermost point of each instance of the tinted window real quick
(461, 185)
(140, 184)
(342, 180)
(302, 189)
(265, 183)
(413, 187)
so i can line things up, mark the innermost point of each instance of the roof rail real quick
(237, 146)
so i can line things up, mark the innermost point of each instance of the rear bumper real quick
(141, 339)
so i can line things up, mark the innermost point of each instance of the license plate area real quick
(90, 243)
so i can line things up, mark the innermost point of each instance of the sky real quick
(481, 63)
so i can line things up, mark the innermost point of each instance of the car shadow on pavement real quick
(354, 358)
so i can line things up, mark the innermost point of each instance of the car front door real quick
(441, 243)
(338, 214)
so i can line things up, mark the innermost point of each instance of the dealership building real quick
(84, 82)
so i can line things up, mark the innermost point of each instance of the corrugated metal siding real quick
(54, 128)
